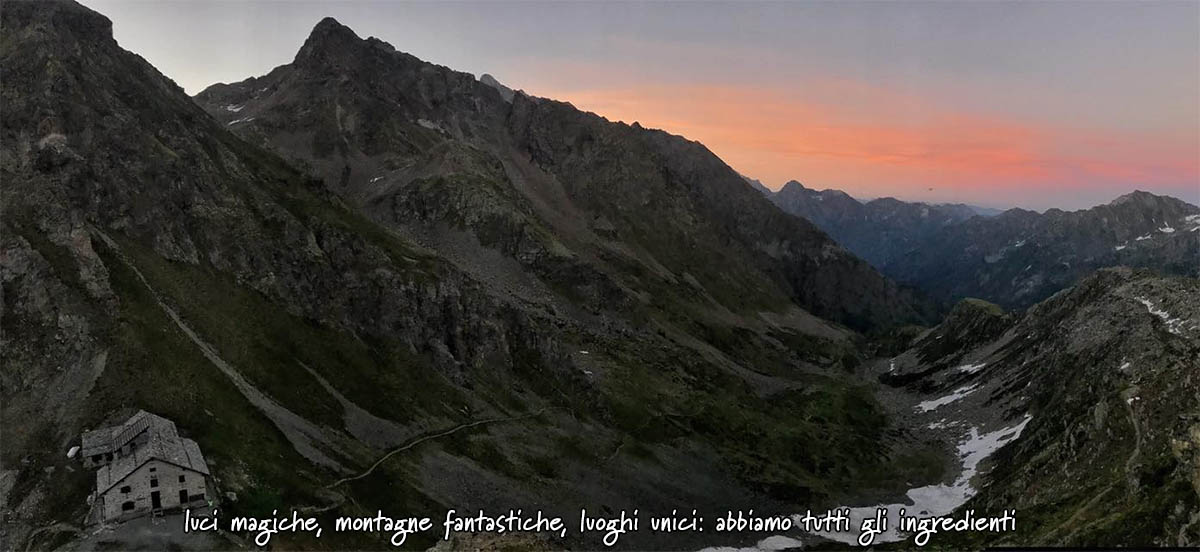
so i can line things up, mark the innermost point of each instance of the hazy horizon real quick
(1032, 105)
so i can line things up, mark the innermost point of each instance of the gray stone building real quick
(144, 466)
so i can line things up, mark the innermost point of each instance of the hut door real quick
(155, 500)
(183, 497)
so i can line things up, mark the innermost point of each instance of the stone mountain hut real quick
(144, 467)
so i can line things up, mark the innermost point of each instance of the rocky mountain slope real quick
(564, 311)
(1103, 378)
(1016, 258)
(613, 213)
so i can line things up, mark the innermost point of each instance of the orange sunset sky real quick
(1031, 104)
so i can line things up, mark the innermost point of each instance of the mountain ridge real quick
(1016, 257)
(371, 166)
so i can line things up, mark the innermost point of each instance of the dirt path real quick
(432, 436)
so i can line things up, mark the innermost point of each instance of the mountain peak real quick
(1137, 196)
(1149, 200)
(793, 185)
(328, 37)
(57, 18)
(330, 28)
(505, 92)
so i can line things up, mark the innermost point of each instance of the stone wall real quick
(137, 489)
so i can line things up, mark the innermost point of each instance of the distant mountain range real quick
(1015, 258)
(876, 230)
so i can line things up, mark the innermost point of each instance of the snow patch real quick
(236, 121)
(1120, 247)
(1174, 325)
(971, 368)
(935, 500)
(1141, 238)
(234, 108)
(943, 424)
(934, 404)
(1166, 229)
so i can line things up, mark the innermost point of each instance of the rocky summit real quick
(365, 283)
